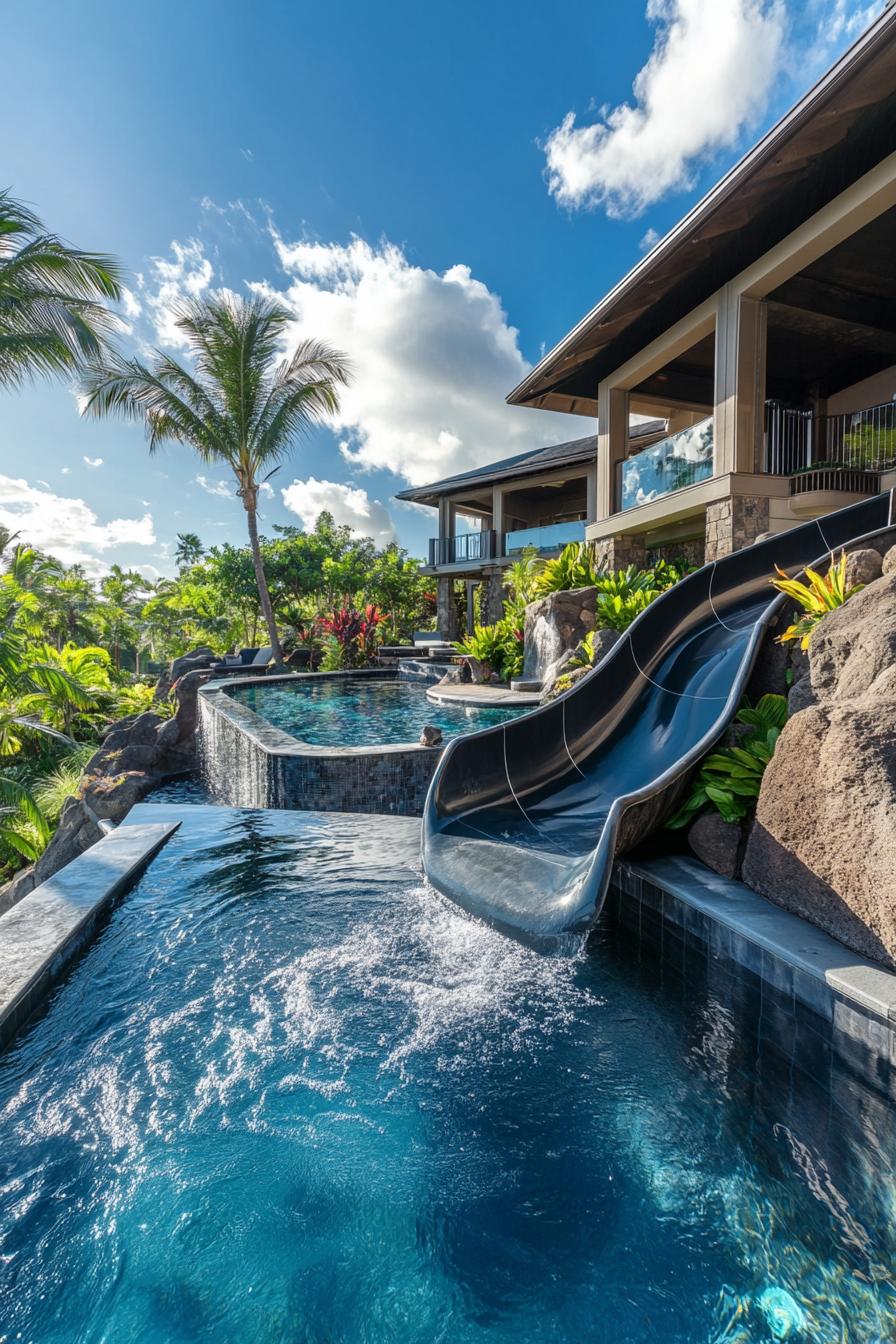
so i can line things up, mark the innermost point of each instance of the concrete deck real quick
(42, 933)
(484, 697)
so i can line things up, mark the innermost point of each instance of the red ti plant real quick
(354, 633)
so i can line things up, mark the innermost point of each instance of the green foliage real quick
(54, 311)
(140, 699)
(498, 647)
(869, 446)
(574, 567)
(823, 593)
(730, 778)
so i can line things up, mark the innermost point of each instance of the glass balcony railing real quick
(682, 459)
(548, 538)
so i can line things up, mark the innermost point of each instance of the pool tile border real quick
(693, 915)
(40, 936)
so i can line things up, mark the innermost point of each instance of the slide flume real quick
(522, 821)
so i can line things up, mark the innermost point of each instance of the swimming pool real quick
(360, 711)
(290, 1094)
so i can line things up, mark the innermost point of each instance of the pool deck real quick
(41, 935)
(483, 697)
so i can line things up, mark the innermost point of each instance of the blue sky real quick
(441, 189)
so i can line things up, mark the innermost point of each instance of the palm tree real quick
(53, 310)
(190, 550)
(243, 407)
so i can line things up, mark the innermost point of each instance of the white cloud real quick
(433, 358)
(225, 489)
(266, 488)
(93, 461)
(130, 303)
(66, 471)
(187, 276)
(649, 240)
(709, 76)
(349, 505)
(67, 528)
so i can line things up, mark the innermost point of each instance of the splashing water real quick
(291, 1094)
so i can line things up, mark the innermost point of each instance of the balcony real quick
(464, 548)
(858, 441)
(682, 459)
(552, 537)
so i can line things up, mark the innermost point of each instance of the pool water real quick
(291, 1095)
(349, 712)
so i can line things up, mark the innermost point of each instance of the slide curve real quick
(522, 821)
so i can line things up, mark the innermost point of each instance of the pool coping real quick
(482, 696)
(42, 933)
(781, 948)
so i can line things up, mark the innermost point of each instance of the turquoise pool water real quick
(360, 712)
(290, 1095)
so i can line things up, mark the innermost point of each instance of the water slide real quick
(523, 820)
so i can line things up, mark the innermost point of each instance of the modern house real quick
(488, 517)
(760, 332)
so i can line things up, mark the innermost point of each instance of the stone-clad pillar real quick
(619, 552)
(732, 524)
(446, 608)
(492, 603)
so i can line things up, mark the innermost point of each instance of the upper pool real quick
(291, 1095)
(360, 712)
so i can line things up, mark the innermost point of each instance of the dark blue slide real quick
(522, 821)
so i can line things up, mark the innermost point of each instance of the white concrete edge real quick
(42, 932)
(788, 937)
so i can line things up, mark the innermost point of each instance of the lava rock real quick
(431, 736)
(112, 796)
(863, 567)
(717, 843)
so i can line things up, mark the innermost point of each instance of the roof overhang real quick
(837, 132)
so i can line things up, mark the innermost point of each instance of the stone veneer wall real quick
(734, 523)
(247, 762)
(619, 552)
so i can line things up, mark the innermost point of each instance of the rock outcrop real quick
(555, 625)
(824, 840)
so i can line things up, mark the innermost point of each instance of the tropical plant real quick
(822, 593)
(189, 550)
(574, 567)
(53, 299)
(352, 636)
(498, 647)
(140, 698)
(243, 407)
(616, 611)
(730, 777)
(523, 575)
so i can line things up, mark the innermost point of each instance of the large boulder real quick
(111, 797)
(194, 661)
(855, 644)
(717, 843)
(889, 561)
(824, 840)
(863, 566)
(555, 625)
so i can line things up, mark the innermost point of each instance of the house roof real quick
(573, 453)
(836, 133)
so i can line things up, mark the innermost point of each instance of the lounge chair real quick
(245, 663)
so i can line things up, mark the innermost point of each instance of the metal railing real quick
(682, 459)
(864, 440)
(789, 436)
(548, 538)
(466, 546)
(857, 440)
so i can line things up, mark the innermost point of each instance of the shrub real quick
(140, 698)
(574, 567)
(730, 778)
(823, 593)
(498, 647)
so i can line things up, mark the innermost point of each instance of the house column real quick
(492, 601)
(612, 445)
(498, 518)
(446, 608)
(591, 493)
(739, 401)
